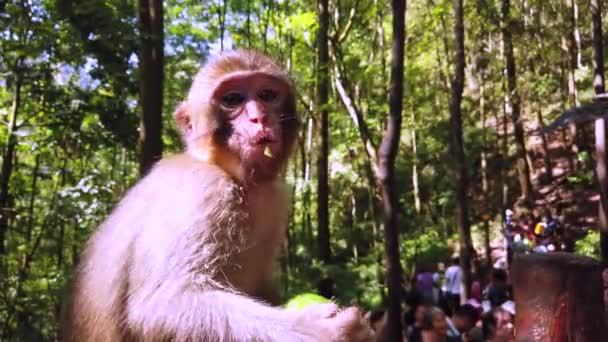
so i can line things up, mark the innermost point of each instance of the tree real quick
(512, 102)
(600, 127)
(323, 247)
(457, 148)
(386, 177)
(9, 154)
(151, 75)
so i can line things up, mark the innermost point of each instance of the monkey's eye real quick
(233, 99)
(268, 95)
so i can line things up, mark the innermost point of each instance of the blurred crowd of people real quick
(435, 312)
(532, 235)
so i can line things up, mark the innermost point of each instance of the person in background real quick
(414, 330)
(438, 275)
(498, 291)
(539, 229)
(476, 287)
(509, 232)
(425, 284)
(434, 326)
(527, 226)
(413, 300)
(452, 284)
(464, 319)
(498, 326)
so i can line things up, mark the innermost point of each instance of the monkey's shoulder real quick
(183, 168)
(189, 181)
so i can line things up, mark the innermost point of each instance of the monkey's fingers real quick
(319, 311)
(354, 325)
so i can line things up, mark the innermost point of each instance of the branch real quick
(349, 23)
(357, 118)
(304, 104)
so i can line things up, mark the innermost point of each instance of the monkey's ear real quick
(182, 117)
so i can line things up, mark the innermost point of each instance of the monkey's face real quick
(257, 121)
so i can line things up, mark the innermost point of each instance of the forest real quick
(426, 127)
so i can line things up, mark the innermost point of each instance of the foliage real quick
(589, 245)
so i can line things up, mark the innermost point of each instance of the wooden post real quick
(558, 297)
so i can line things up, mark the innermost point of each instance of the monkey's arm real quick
(183, 304)
(216, 315)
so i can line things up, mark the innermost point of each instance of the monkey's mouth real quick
(263, 138)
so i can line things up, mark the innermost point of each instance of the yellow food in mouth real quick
(268, 152)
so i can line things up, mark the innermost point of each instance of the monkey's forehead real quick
(250, 76)
(205, 86)
(242, 59)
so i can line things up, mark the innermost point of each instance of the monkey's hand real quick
(327, 323)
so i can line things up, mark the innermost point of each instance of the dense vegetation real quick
(70, 110)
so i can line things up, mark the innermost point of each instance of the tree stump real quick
(558, 297)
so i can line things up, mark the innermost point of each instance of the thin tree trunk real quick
(539, 36)
(23, 316)
(61, 240)
(7, 158)
(485, 185)
(386, 178)
(114, 162)
(513, 103)
(307, 178)
(323, 248)
(151, 82)
(545, 144)
(569, 45)
(577, 35)
(221, 18)
(123, 175)
(442, 70)
(248, 24)
(30, 210)
(416, 189)
(265, 8)
(457, 147)
(600, 127)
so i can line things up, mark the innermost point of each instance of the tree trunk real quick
(221, 18)
(534, 67)
(30, 210)
(553, 303)
(457, 148)
(7, 158)
(151, 82)
(416, 188)
(386, 178)
(600, 127)
(569, 47)
(324, 251)
(485, 184)
(545, 144)
(248, 24)
(513, 103)
(61, 240)
(265, 8)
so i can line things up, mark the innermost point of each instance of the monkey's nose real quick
(255, 114)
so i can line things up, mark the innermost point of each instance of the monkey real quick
(188, 254)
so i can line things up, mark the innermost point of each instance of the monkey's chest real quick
(251, 267)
